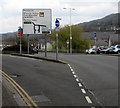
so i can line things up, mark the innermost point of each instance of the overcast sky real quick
(85, 10)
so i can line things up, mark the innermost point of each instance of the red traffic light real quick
(20, 34)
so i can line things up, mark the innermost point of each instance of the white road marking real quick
(69, 65)
(80, 85)
(88, 99)
(71, 69)
(73, 72)
(83, 91)
(75, 76)
(77, 80)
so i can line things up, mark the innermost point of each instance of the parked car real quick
(91, 51)
(115, 49)
(98, 49)
(35, 50)
(106, 50)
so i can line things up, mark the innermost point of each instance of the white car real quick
(91, 51)
(115, 49)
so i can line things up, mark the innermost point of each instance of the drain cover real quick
(40, 98)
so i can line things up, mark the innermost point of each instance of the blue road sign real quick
(57, 23)
(95, 34)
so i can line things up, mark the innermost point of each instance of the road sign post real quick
(28, 43)
(57, 24)
(95, 35)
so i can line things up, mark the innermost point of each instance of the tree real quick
(78, 42)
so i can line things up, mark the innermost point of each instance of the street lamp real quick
(70, 43)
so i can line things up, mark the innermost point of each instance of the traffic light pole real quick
(20, 33)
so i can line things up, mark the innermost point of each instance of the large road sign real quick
(37, 21)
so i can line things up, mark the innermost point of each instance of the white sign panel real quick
(37, 21)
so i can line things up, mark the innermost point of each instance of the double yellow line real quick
(27, 99)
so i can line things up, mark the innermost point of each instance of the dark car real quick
(35, 50)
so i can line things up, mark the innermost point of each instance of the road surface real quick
(98, 73)
(48, 83)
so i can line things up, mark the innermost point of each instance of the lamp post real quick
(70, 43)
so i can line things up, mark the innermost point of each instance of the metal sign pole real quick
(56, 45)
(57, 24)
(28, 43)
(45, 45)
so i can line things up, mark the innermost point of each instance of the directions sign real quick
(37, 21)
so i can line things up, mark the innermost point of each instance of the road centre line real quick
(80, 85)
(88, 99)
(73, 72)
(75, 76)
(69, 65)
(83, 90)
(77, 79)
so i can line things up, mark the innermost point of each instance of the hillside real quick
(108, 23)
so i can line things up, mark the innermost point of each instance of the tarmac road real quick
(98, 73)
(48, 83)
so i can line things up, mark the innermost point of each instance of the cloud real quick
(10, 24)
(85, 10)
